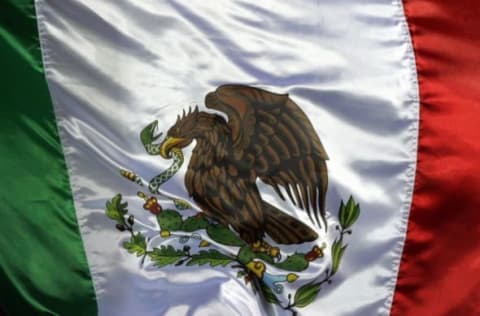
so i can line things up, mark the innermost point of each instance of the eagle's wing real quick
(273, 136)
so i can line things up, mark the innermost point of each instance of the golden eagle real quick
(267, 136)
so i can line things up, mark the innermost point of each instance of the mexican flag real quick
(239, 157)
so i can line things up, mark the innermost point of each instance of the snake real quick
(147, 136)
(154, 184)
(177, 156)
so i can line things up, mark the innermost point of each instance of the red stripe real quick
(440, 268)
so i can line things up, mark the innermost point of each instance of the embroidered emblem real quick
(267, 137)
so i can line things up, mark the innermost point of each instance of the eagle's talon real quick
(256, 245)
(274, 252)
(263, 247)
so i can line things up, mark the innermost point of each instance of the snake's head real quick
(147, 135)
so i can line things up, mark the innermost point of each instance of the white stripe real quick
(115, 66)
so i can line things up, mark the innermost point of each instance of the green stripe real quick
(43, 268)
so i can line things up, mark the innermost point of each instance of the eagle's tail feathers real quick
(284, 228)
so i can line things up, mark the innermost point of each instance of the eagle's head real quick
(182, 133)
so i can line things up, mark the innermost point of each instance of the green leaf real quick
(268, 294)
(353, 216)
(136, 245)
(115, 210)
(245, 255)
(295, 262)
(224, 236)
(349, 209)
(194, 223)
(122, 208)
(349, 213)
(335, 262)
(337, 253)
(169, 220)
(165, 255)
(212, 257)
(350, 204)
(306, 294)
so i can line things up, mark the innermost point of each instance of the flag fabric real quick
(239, 157)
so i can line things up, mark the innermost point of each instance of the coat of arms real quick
(267, 137)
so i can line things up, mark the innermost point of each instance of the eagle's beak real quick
(168, 144)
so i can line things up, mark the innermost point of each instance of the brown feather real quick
(282, 148)
(272, 156)
(289, 192)
(289, 138)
